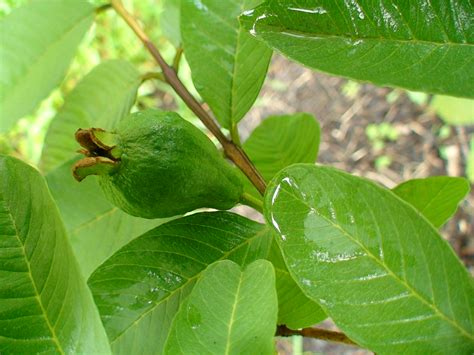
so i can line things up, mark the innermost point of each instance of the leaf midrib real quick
(172, 293)
(93, 220)
(314, 35)
(425, 208)
(54, 336)
(232, 315)
(389, 271)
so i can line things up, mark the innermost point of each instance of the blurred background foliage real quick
(109, 38)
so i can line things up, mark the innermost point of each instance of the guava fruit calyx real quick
(93, 166)
(101, 151)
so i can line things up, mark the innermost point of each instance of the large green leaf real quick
(101, 99)
(96, 228)
(140, 288)
(419, 45)
(436, 197)
(38, 41)
(45, 305)
(229, 311)
(228, 65)
(378, 269)
(295, 309)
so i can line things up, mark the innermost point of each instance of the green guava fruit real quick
(156, 164)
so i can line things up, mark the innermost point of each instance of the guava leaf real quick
(437, 198)
(101, 99)
(95, 227)
(280, 141)
(170, 21)
(45, 305)
(229, 311)
(377, 268)
(295, 309)
(418, 45)
(140, 288)
(38, 42)
(228, 65)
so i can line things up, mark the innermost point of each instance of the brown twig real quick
(316, 333)
(232, 151)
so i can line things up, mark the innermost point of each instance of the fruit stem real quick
(232, 151)
(248, 200)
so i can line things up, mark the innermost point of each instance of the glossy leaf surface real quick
(101, 99)
(378, 269)
(229, 311)
(140, 288)
(45, 305)
(295, 309)
(437, 198)
(38, 42)
(419, 45)
(95, 227)
(228, 65)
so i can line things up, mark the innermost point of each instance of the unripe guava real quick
(156, 164)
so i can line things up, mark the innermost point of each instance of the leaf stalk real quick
(317, 333)
(177, 58)
(248, 200)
